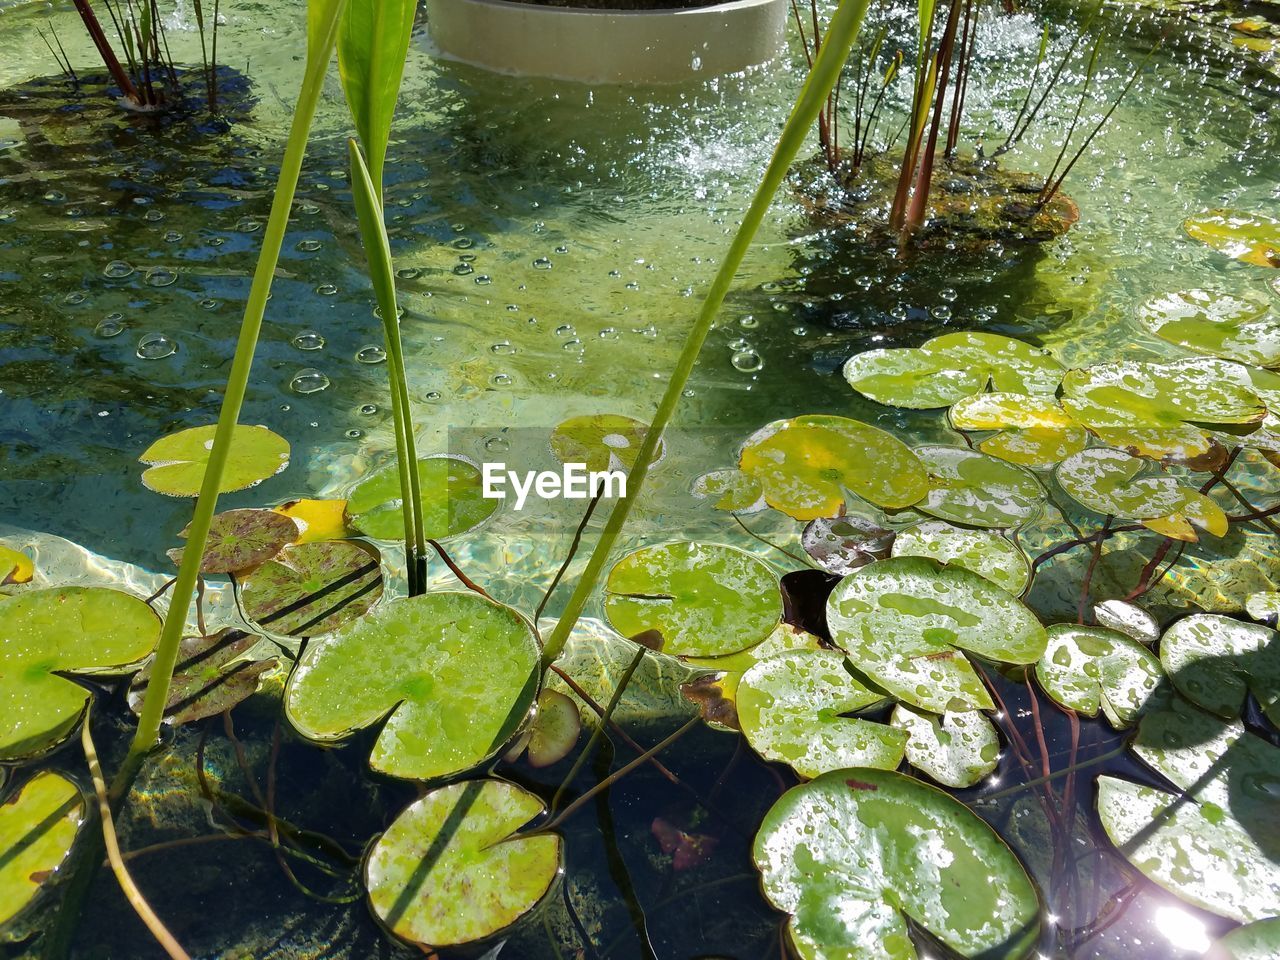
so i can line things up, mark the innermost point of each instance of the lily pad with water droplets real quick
(906, 621)
(38, 825)
(1214, 661)
(730, 490)
(791, 708)
(1215, 843)
(15, 567)
(1250, 237)
(852, 855)
(452, 674)
(604, 441)
(975, 490)
(451, 869)
(1223, 325)
(177, 462)
(212, 675)
(242, 539)
(1259, 940)
(806, 464)
(453, 500)
(955, 749)
(951, 367)
(73, 630)
(1127, 618)
(704, 599)
(1033, 431)
(313, 588)
(1087, 669)
(987, 554)
(1263, 605)
(842, 544)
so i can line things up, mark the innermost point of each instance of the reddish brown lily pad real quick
(242, 539)
(313, 588)
(212, 675)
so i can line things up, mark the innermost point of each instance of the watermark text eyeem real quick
(573, 482)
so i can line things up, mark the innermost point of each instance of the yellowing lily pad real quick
(313, 588)
(451, 869)
(730, 490)
(177, 462)
(76, 630)
(38, 825)
(242, 539)
(1224, 325)
(1088, 669)
(975, 490)
(987, 554)
(851, 855)
(806, 464)
(15, 567)
(955, 749)
(1250, 237)
(1033, 431)
(791, 708)
(452, 674)
(906, 621)
(1214, 661)
(453, 500)
(704, 599)
(604, 441)
(317, 519)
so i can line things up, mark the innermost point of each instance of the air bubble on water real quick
(542, 263)
(432, 397)
(462, 243)
(800, 331)
(503, 347)
(408, 273)
(371, 353)
(327, 289)
(462, 269)
(747, 361)
(248, 225)
(565, 330)
(748, 322)
(172, 236)
(156, 346)
(497, 444)
(948, 294)
(615, 273)
(73, 298)
(609, 333)
(377, 312)
(111, 326)
(940, 312)
(208, 303)
(308, 246)
(117, 270)
(309, 340)
(484, 280)
(368, 409)
(307, 381)
(354, 434)
(160, 277)
(500, 379)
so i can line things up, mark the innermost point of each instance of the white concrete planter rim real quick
(610, 12)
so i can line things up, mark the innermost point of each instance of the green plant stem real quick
(841, 33)
(1065, 771)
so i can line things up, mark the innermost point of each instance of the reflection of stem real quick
(568, 559)
(127, 886)
(769, 543)
(457, 571)
(1244, 502)
(1089, 570)
(1026, 785)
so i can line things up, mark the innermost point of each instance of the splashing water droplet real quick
(156, 346)
(308, 381)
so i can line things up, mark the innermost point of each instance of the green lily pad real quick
(1250, 237)
(987, 554)
(241, 539)
(852, 855)
(38, 825)
(841, 545)
(1263, 605)
(77, 630)
(806, 464)
(730, 490)
(212, 675)
(451, 869)
(955, 749)
(1259, 940)
(453, 674)
(313, 588)
(1129, 619)
(1220, 324)
(704, 599)
(1106, 481)
(453, 500)
(1213, 843)
(1214, 661)
(1087, 669)
(1033, 431)
(604, 441)
(975, 490)
(555, 729)
(951, 367)
(905, 622)
(790, 708)
(177, 462)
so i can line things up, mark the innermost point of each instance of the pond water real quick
(553, 242)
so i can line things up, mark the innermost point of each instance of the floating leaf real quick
(1263, 605)
(841, 545)
(976, 490)
(1219, 324)
(955, 749)
(317, 519)
(806, 464)
(730, 490)
(1107, 482)
(604, 441)
(1250, 237)
(38, 824)
(704, 599)
(212, 675)
(904, 622)
(790, 708)
(313, 588)
(987, 554)
(555, 729)
(177, 462)
(951, 367)
(686, 850)
(15, 567)
(1087, 669)
(1214, 843)
(1259, 940)
(1214, 661)
(77, 630)
(717, 691)
(453, 674)
(451, 869)
(1129, 619)
(852, 855)
(242, 539)
(1033, 431)
(453, 500)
